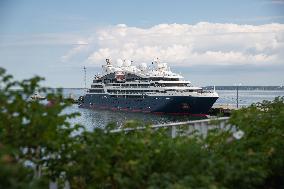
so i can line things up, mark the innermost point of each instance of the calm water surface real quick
(100, 118)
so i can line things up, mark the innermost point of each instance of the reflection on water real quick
(100, 118)
(91, 118)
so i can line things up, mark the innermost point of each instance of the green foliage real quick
(263, 124)
(140, 159)
(37, 144)
(38, 131)
(14, 175)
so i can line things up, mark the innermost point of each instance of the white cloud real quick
(184, 44)
(41, 39)
(277, 2)
(80, 45)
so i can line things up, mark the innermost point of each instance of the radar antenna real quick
(108, 61)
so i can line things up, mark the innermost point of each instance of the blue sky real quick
(37, 36)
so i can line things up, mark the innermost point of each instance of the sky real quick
(220, 42)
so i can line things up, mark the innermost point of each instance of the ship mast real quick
(85, 82)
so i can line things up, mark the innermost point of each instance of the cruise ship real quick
(148, 89)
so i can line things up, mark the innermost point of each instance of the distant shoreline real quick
(264, 88)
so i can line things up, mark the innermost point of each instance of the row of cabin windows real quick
(96, 91)
(136, 91)
(186, 90)
(122, 81)
(152, 84)
(174, 85)
(143, 85)
(131, 92)
(127, 96)
(133, 79)
(164, 79)
(132, 85)
(97, 81)
(96, 86)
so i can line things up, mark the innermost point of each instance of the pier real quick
(223, 110)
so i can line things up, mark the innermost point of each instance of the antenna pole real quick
(85, 78)
(237, 96)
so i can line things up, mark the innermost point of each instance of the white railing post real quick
(204, 127)
(173, 131)
(190, 129)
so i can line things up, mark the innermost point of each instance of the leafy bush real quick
(38, 145)
(38, 131)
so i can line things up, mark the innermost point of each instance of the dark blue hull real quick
(198, 106)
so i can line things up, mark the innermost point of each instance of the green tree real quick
(263, 124)
(14, 175)
(39, 131)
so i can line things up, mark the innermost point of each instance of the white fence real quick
(187, 127)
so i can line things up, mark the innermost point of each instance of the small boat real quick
(37, 96)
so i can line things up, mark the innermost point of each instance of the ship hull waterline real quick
(173, 105)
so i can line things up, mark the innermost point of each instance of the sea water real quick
(100, 118)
